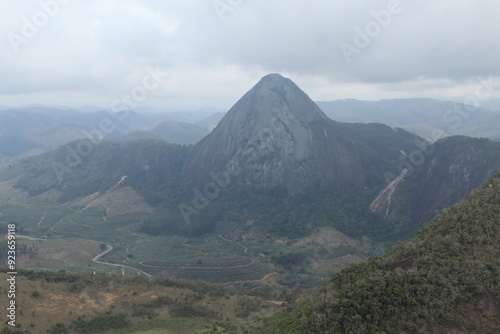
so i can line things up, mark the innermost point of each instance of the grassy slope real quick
(446, 278)
(150, 305)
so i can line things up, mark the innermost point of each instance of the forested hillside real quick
(446, 278)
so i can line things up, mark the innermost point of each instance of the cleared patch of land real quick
(117, 202)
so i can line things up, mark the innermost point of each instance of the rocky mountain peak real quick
(275, 95)
(274, 136)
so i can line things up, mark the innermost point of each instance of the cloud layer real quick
(93, 52)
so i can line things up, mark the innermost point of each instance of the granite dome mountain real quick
(276, 137)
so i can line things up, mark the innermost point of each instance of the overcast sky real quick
(81, 52)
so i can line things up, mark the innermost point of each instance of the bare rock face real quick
(276, 137)
(451, 169)
(459, 165)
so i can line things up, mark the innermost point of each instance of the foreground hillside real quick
(60, 302)
(445, 280)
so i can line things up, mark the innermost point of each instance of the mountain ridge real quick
(429, 118)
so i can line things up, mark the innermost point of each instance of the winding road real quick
(109, 248)
(29, 238)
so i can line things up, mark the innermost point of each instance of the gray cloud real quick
(93, 51)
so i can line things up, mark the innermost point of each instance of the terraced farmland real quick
(220, 270)
(198, 260)
(33, 218)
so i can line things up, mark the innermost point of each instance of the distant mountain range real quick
(35, 130)
(493, 105)
(38, 128)
(170, 131)
(428, 118)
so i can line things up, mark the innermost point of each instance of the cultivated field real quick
(67, 237)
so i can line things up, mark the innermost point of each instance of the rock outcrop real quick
(276, 137)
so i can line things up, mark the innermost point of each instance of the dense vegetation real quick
(282, 215)
(446, 277)
(100, 323)
(298, 215)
